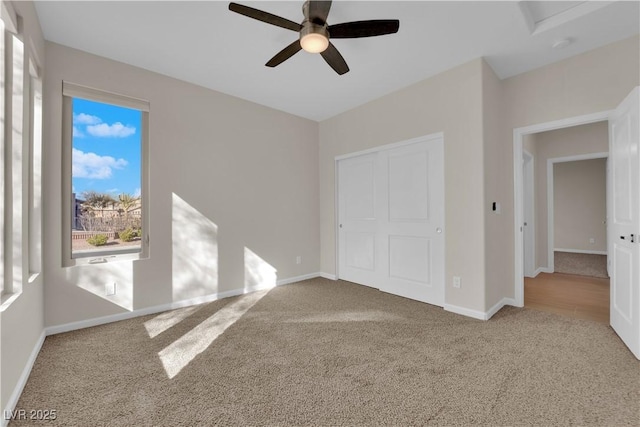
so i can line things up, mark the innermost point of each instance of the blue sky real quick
(106, 148)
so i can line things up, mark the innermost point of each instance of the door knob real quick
(439, 230)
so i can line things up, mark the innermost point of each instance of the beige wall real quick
(580, 205)
(576, 140)
(496, 189)
(592, 82)
(225, 175)
(478, 149)
(22, 323)
(451, 103)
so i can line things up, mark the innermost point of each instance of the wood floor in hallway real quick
(581, 297)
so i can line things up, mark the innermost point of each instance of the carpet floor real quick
(581, 264)
(321, 352)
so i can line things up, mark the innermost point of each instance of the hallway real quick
(580, 297)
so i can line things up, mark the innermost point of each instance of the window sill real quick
(104, 257)
(7, 299)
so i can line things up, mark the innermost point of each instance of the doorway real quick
(523, 138)
(564, 228)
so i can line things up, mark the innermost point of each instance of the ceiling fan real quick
(315, 32)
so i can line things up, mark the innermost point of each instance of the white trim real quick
(550, 200)
(22, 381)
(580, 251)
(532, 220)
(541, 270)
(518, 136)
(567, 16)
(480, 315)
(297, 279)
(329, 276)
(96, 321)
(73, 90)
(498, 306)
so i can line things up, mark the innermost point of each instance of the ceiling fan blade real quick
(335, 60)
(264, 17)
(318, 11)
(352, 30)
(284, 54)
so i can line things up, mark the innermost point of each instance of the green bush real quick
(127, 235)
(98, 240)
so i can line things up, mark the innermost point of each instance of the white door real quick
(624, 144)
(412, 225)
(391, 220)
(358, 221)
(529, 212)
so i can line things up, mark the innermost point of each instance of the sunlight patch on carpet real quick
(168, 319)
(181, 352)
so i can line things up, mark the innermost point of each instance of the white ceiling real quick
(206, 44)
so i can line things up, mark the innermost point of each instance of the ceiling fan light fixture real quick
(314, 43)
(314, 38)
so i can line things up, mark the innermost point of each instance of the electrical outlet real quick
(110, 289)
(592, 240)
(298, 259)
(456, 282)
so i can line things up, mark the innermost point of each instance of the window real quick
(35, 162)
(105, 179)
(15, 118)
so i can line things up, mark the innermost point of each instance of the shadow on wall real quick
(96, 278)
(195, 252)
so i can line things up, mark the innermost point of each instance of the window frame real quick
(69, 92)
(34, 192)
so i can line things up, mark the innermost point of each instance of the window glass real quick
(106, 184)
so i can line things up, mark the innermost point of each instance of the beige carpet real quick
(333, 353)
(581, 264)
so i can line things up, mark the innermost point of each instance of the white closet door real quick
(358, 221)
(391, 219)
(412, 226)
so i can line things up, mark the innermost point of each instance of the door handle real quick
(632, 238)
(439, 230)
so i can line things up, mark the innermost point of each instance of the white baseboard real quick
(22, 381)
(496, 308)
(67, 327)
(329, 276)
(465, 311)
(480, 315)
(298, 278)
(540, 270)
(580, 251)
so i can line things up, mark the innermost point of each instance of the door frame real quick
(518, 200)
(424, 138)
(550, 208)
(532, 220)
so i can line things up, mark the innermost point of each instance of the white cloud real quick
(77, 133)
(91, 165)
(116, 130)
(86, 119)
